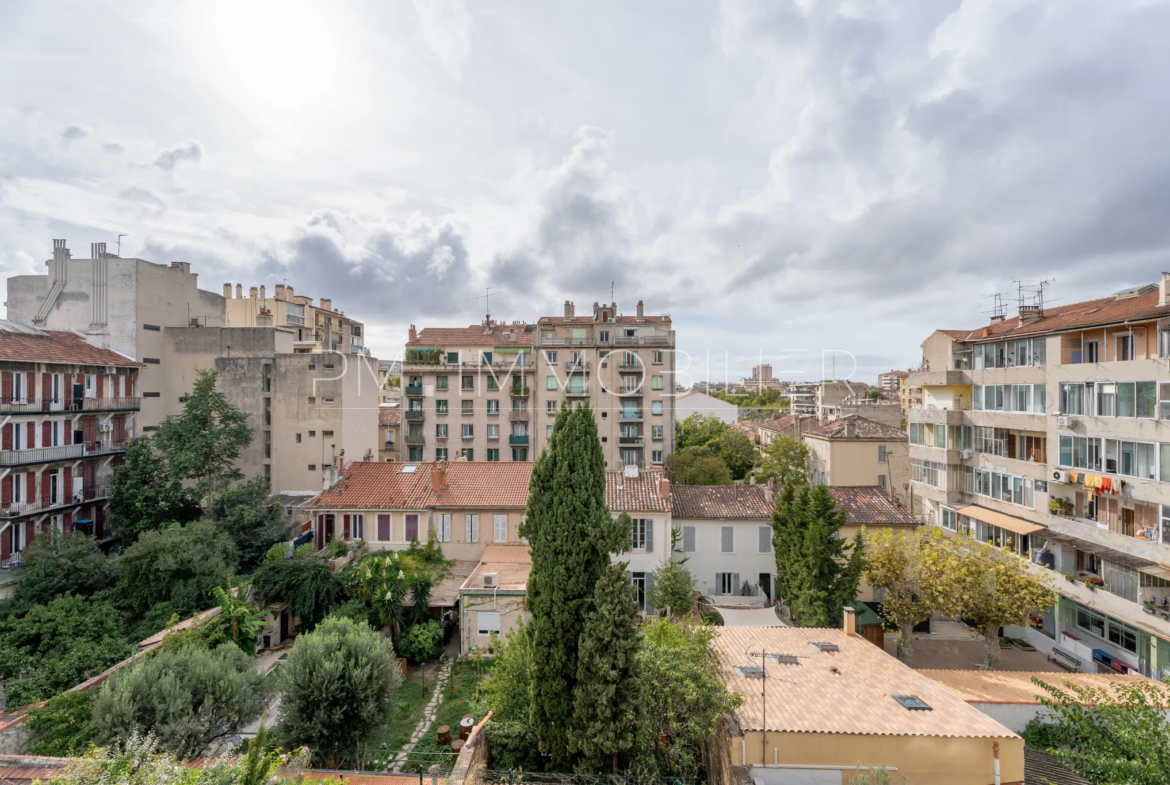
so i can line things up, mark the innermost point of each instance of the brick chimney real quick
(413, 334)
(227, 291)
(569, 309)
(769, 491)
(438, 476)
(1164, 290)
(326, 304)
(288, 294)
(663, 488)
(850, 621)
(641, 313)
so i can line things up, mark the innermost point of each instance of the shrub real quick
(305, 582)
(421, 642)
(62, 725)
(178, 564)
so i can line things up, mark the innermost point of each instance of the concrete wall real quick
(509, 605)
(706, 405)
(846, 462)
(746, 559)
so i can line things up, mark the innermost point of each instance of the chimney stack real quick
(278, 291)
(288, 294)
(438, 476)
(769, 491)
(263, 293)
(227, 291)
(663, 488)
(568, 310)
(641, 314)
(97, 250)
(850, 621)
(413, 334)
(326, 304)
(1164, 290)
(252, 292)
(239, 291)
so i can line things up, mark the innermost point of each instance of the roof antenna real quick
(487, 298)
(611, 291)
(120, 243)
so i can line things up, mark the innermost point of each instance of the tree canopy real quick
(725, 442)
(146, 495)
(244, 514)
(304, 581)
(59, 563)
(783, 460)
(697, 466)
(674, 586)
(203, 442)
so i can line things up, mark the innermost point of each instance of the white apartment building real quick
(1049, 433)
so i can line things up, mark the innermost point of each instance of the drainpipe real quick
(995, 752)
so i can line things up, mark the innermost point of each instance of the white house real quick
(690, 403)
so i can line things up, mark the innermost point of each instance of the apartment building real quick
(623, 366)
(308, 412)
(892, 381)
(69, 412)
(121, 304)
(855, 451)
(389, 433)
(317, 328)
(693, 402)
(468, 392)
(1049, 433)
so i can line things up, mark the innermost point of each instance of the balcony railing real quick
(415, 415)
(633, 441)
(518, 441)
(415, 440)
(577, 393)
(635, 414)
(645, 340)
(87, 494)
(42, 455)
(113, 404)
(521, 392)
(518, 416)
(577, 366)
(413, 390)
(120, 403)
(630, 391)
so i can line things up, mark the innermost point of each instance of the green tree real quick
(304, 581)
(187, 697)
(1117, 736)
(146, 495)
(607, 693)
(62, 725)
(203, 442)
(674, 586)
(725, 442)
(238, 622)
(684, 697)
(698, 430)
(178, 566)
(59, 563)
(697, 466)
(571, 534)
(337, 686)
(58, 645)
(817, 573)
(783, 460)
(735, 448)
(421, 642)
(244, 513)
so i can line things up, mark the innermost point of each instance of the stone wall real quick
(473, 758)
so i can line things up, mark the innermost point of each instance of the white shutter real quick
(765, 539)
(718, 584)
(501, 528)
(444, 528)
(688, 539)
(474, 528)
(727, 539)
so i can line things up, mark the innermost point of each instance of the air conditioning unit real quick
(966, 453)
(489, 580)
(1065, 422)
(105, 426)
(1059, 475)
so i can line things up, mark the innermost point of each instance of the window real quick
(416, 454)
(726, 583)
(492, 382)
(638, 534)
(519, 453)
(467, 382)
(485, 358)
(493, 406)
(440, 454)
(603, 336)
(881, 453)
(881, 481)
(441, 406)
(468, 454)
(151, 360)
(441, 383)
(727, 539)
(500, 528)
(656, 357)
(312, 467)
(948, 519)
(156, 395)
(453, 358)
(471, 530)
(655, 382)
(656, 456)
(444, 528)
(765, 540)
(548, 429)
(550, 383)
(487, 622)
(551, 358)
(656, 407)
(656, 431)
(468, 407)
(1147, 399)
(687, 542)
(1072, 399)
(493, 430)
(1125, 345)
(151, 327)
(441, 430)
(298, 438)
(550, 407)
(493, 454)
(357, 527)
(467, 431)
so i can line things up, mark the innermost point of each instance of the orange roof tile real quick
(1115, 309)
(475, 335)
(635, 494)
(366, 485)
(389, 416)
(58, 347)
(846, 692)
(485, 484)
(853, 426)
(1017, 686)
(721, 501)
(868, 505)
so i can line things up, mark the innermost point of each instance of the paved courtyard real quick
(952, 645)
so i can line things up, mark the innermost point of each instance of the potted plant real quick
(1054, 506)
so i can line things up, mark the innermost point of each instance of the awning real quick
(1109, 554)
(746, 616)
(1002, 520)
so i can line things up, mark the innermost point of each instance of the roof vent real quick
(823, 647)
(784, 659)
(912, 702)
(750, 671)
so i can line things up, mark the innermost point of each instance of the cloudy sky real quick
(782, 177)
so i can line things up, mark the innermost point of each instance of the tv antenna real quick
(487, 298)
(120, 236)
(998, 308)
(1031, 295)
(611, 291)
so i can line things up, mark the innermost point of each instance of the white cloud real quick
(445, 27)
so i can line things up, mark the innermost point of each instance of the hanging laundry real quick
(1106, 485)
(1074, 477)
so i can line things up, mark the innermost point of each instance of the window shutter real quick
(46, 434)
(320, 532)
(765, 539)
(688, 539)
(6, 386)
(46, 389)
(32, 486)
(45, 487)
(501, 528)
(8, 435)
(345, 528)
(67, 490)
(7, 491)
(649, 539)
(735, 582)
(718, 584)
(649, 589)
(384, 528)
(727, 539)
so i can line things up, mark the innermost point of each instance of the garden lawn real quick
(428, 751)
(409, 703)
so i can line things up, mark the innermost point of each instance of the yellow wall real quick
(922, 760)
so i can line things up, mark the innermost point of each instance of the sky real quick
(818, 184)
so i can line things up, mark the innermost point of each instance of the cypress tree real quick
(608, 693)
(570, 534)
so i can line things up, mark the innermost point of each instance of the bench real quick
(1064, 658)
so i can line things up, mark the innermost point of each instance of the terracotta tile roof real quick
(476, 335)
(958, 335)
(389, 415)
(368, 485)
(1017, 686)
(1040, 768)
(854, 427)
(1076, 316)
(635, 494)
(58, 347)
(847, 692)
(510, 563)
(720, 501)
(868, 505)
(554, 320)
(785, 423)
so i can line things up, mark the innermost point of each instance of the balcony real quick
(937, 416)
(645, 340)
(413, 390)
(415, 440)
(415, 415)
(518, 441)
(630, 441)
(628, 415)
(577, 366)
(633, 391)
(113, 404)
(518, 416)
(582, 392)
(520, 392)
(85, 495)
(42, 455)
(944, 378)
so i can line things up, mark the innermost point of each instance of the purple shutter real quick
(411, 527)
(383, 528)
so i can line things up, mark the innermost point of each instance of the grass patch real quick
(428, 751)
(410, 702)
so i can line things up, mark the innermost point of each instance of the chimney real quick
(663, 488)
(263, 293)
(97, 250)
(850, 621)
(568, 310)
(641, 315)
(239, 291)
(227, 291)
(326, 304)
(438, 476)
(288, 294)
(1164, 290)
(769, 491)
(253, 292)
(278, 291)
(413, 334)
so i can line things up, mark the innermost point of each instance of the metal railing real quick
(86, 494)
(577, 366)
(415, 415)
(518, 416)
(26, 406)
(415, 440)
(42, 455)
(632, 415)
(518, 440)
(644, 340)
(630, 440)
(413, 390)
(521, 391)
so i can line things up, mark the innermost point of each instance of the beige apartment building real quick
(389, 432)
(1049, 433)
(854, 451)
(309, 412)
(316, 328)
(467, 393)
(623, 366)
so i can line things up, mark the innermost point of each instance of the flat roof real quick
(509, 563)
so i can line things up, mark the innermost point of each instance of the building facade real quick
(892, 381)
(689, 403)
(854, 451)
(69, 412)
(389, 433)
(316, 328)
(1050, 433)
